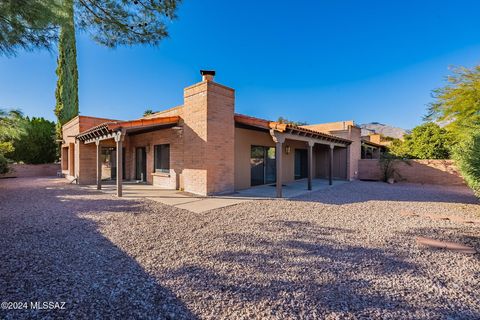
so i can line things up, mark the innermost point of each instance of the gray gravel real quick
(341, 253)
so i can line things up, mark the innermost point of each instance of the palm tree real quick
(11, 124)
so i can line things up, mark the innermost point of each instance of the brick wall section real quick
(32, 170)
(443, 172)
(149, 140)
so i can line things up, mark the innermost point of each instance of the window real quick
(162, 158)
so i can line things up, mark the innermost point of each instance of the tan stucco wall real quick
(354, 134)
(442, 172)
(245, 139)
(331, 126)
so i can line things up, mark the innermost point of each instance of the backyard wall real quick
(443, 172)
(32, 170)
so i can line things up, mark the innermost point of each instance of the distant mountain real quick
(383, 129)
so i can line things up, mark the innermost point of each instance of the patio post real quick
(310, 163)
(330, 166)
(99, 165)
(348, 162)
(119, 140)
(279, 140)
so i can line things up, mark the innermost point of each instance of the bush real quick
(37, 144)
(467, 155)
(3, 164)
(427, 141)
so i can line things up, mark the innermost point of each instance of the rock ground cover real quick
(342, 253)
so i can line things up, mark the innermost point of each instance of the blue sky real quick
(314, 61)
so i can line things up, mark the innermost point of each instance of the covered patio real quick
(327, 156)
(115, 134)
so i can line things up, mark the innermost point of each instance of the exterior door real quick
(141, 164)
(301, 164)
(262, 165)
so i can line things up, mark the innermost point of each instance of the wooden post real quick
(330, 166)
(99, 165)
(310, 164)
(118, 140)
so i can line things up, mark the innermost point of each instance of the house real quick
(205, 148)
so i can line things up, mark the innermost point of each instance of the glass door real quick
(262, 165)
(141, 164)
(301, 165)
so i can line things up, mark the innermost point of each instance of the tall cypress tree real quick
(66, 93)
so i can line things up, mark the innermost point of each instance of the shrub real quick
(3, 164)
(427, 141)
(467, 155)
(37, 144)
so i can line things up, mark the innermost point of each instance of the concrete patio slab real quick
(290, 190)
(198, 204)
(175, 198)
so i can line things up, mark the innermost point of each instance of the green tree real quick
(35, 24)
(37, 144)
(11, 124)
(27, 25)
(458, 103)
(66, 93)
(426, 141)
(11, 128)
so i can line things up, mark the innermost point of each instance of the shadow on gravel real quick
(362, 191)
(308, 273)
(49, 253)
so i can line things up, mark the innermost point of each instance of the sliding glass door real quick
(262, 165)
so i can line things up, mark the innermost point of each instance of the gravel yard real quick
(342, 253)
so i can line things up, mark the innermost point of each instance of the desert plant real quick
(467, 156)
(387, 165)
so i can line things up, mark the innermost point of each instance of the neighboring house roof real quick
(284, 127)
(373, 144)
(109, 127)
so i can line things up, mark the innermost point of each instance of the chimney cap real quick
(207, 72)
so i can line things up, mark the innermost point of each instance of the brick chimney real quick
(209, 130)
